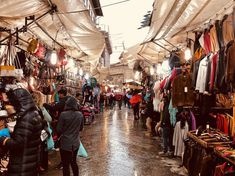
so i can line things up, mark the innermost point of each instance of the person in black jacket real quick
(68, 127)
(166, 126)
(24, 143)
(58, 108)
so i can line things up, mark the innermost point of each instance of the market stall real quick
(189, 49)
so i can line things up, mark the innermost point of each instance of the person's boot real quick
(59, 166)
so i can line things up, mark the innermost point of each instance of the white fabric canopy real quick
(173, 16)
(75, 31)
(175, 20)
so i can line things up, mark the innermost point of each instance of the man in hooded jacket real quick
(23, 145)
(68, 127)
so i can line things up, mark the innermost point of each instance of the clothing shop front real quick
(196, 102)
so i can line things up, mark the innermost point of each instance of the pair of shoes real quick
(162, 153)
(170, 154)
(147, 134)
(41, 169)
(59, 166)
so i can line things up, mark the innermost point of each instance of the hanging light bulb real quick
(187, 54)
(54, 57)
(106, 88)
(165, 66)
(137, 75)
(70, 63)
(159, 69)
(87, 76)
(80, 72)
(152, 70)
(75, 70)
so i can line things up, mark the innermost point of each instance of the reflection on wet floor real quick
(117, 146)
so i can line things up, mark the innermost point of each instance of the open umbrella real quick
(133, 85)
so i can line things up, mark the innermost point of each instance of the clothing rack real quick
(179, 68)
(221, 110)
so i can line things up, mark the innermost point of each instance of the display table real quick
(199, 150)
(227, 153)
(209, 140)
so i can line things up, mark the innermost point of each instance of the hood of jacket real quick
(71, 104)
(21, 99)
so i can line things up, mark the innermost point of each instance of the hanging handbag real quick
(40, 53)
(48, 53)
(33, 45)
(61, 54)
(224, 100)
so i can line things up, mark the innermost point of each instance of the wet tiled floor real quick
(117, 146)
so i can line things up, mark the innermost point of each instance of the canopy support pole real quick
(161, 46)
(51, 4)
(43, 30)
(144, 59)
(170, 43)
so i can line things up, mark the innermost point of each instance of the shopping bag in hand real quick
(50, 142)
(82, 151)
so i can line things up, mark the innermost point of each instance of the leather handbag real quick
(33, 45)
(224, 100)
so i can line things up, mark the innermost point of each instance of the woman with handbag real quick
(69, 125)
(38, 99)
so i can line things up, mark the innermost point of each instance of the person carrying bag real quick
(69, 125)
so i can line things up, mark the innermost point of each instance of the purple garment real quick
(194, 127)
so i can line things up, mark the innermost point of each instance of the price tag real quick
(185, 89)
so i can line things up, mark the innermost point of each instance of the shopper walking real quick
(135, 102)
(69, 124)
(24, 143)
(128, 97)
(118, 98)
(112, 100)
(101, 100)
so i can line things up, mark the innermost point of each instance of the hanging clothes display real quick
(227, 27)
(214, 39)
(182, 92)
(180, 134)
(202, 73)
(173, 111)
(230, 70)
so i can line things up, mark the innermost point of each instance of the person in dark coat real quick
(58, 107)
(24, 143)
(68, 127)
